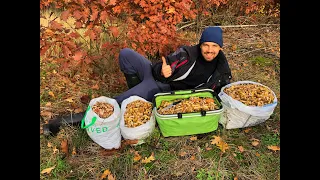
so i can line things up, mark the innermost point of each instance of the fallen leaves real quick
(274, 148)
(149, 159)
(106, 174)
(220, 143)
(64, 147)
(137, 156)
(48, 170)
(193, 138)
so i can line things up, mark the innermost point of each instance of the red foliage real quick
(147, 26)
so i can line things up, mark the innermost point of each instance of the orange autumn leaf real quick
(55, 150)
(192, 158)
(193, 138)
(223, 146)
(114, 30)
(105, 174)
(49, 145)
(51, 93)
(78, 110)
(255, 143)
(110, 177)
(77, 55)
(112, 2)
(182, 153)
(47, 114)
(64, 147)
(171, 10)
(74, 152)
(241, 149)
(274, 148)
(137, 156)
(95, 87)
(257, 154)
(216, 140)
(48, 170)
(247, 130)
(149, 159)
(69, 99)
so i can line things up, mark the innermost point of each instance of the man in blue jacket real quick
(190, 67)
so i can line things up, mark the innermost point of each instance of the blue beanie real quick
(212, 34)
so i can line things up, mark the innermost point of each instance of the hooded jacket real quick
(183, 60)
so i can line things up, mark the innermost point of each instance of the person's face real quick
(209, 50)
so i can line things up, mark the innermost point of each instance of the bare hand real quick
(166, 69)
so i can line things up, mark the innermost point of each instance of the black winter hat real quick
(212, 34)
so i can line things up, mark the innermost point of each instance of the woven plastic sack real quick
(135, 133)
(239, 115)
(103, 131)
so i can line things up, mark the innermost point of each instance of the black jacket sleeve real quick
(178, 55)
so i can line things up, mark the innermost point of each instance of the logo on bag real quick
(98, 130)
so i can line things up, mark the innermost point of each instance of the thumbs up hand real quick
(166, 69)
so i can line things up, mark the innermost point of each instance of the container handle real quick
(93, 120)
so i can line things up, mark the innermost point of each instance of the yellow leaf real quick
(274, 148)
(105, 174)
(69, 99)
(48, 170)
(74, 152)
(257, 154)
(49, 144)
(241, 149)
(216, 140)
(46, 114)
(171, 10)
(137, 156)
(182, 153)
(78, 110)
(233, 47)
(149, 159)
(255, 143)
(247, 130)
(55, 150)
(193, 138)
(223, 146)
(48, 104)
(110, 177)
(51, 93)
(95, 87)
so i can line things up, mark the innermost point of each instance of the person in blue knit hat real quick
(203, 65)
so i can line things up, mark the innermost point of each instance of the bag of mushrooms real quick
(246, 103)
(137, 119)
(102, 121)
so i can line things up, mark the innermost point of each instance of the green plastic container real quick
(182, 124)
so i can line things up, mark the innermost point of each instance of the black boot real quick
(53, 126)
(132, 80)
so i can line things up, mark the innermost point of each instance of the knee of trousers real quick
(124, 53)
